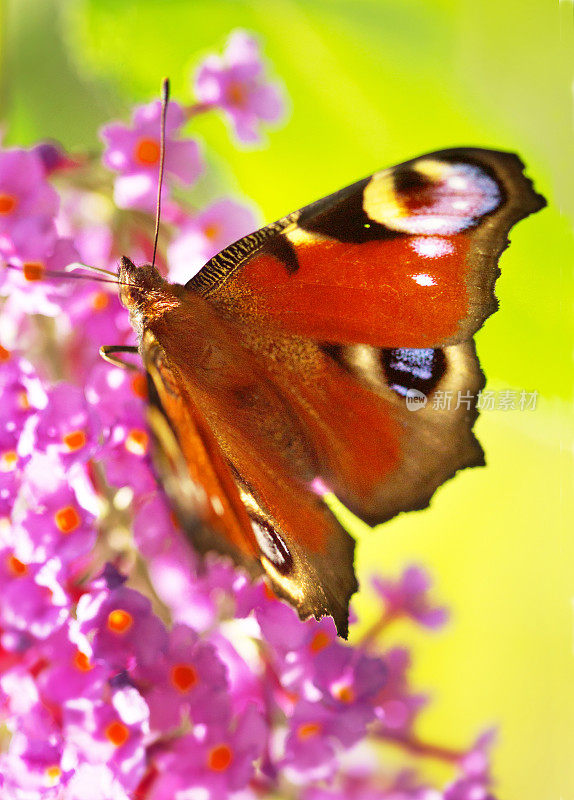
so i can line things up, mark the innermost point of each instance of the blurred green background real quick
(371, 83)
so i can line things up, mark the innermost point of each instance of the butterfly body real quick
(280, 370)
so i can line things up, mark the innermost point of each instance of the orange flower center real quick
(5, 355)
(211, 232)
(82, 662)
(147, 152)
(100, 301)
(344, 693)
(308, 730)
(183, 677)
(7, 203)
(53, 775)
(16, 567)
(220, 758)
(119, 621)
(33, 270)
(117, 733)
(8, 461)
(319, 641)
(139, 385)
(236, 94)
(74, 440)
(23, 400)
(67, 519)
(137, 442)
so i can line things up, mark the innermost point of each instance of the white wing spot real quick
(423, 279)
(431, 246)
(457, 182)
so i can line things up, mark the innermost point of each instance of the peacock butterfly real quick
(280, 370)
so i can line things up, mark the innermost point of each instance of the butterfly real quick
(282, 369)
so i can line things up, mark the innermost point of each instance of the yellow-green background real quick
(371, 83)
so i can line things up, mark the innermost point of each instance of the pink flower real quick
(33, 603)
(293, 646)
(396, 705)
(188, 679)
(29, 289)
(28, 205)
(32, 768)
(68, 670)
(236, 83)
(349, 679)
(116, 395)
(205, 234)
(245, 687)
(154, 528)
(315, 736)
(196, 592)
(18, 694)
(56, 526)
(126, 457)
(408, 596)
(67, 429)
(476, 763)
(134, 152)
(220, 762)
(111, 734)
(97, 317)
(121, 626)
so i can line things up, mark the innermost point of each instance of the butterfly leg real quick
(107, 351)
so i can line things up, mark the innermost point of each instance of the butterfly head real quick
(143, 292)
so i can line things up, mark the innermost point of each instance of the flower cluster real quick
(128, 669)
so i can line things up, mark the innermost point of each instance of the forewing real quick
(404, 258)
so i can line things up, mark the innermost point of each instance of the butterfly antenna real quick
(164, 105)
(67, 273)
(77, 265)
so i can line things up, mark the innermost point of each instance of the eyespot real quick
(272, 546)
(410, 368)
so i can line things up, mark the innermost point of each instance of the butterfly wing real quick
(336, 313)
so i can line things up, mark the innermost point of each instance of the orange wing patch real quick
(411, 292)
